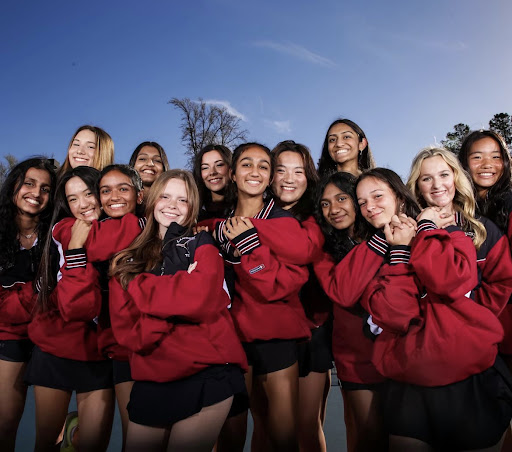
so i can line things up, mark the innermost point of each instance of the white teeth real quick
(341, 151)
(288, 188)
(80, 159)
(214, 181)
(254, 182)
(32, 201)
(149, 172)
(117, 206)
(486, 174)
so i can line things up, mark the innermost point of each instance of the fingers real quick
(388, 234)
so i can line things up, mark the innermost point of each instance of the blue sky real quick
(406, 72)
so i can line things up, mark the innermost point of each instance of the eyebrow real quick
(216, 161)
(251, 159)
(116, 185)
(76, 139)
(341, 133)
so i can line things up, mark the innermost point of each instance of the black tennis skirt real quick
(163, 404)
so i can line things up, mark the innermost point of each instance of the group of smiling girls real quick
(192, 298)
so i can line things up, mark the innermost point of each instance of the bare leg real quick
(199, 432)
(326, 394)
(12, 401)
(404, 444)
(233, 433)
(260, 441)
(282, 390)
(145, 438)
(123, 391)
(51, 410)
(311, 406)
(95, 414)
(365, 429)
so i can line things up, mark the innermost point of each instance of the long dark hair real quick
(232, 193)
(364, 229)
(153, 144)
(205, 195)
(9, 244)
(337, 242)
(46, 276)
(326, 165)
(494, 205)
(306, 204)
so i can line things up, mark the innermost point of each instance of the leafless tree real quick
(5, 168)
(205, 123)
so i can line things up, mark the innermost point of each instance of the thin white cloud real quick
(289, 48)
(227, 105)
(279, 126)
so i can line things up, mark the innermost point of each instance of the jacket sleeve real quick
(392, 296)
(112, 235)
(444, 260)
(305, 244)
(495, 286)
(196, 296)
(17, 303)
(78, 293)
(138, 332)
(345, 282)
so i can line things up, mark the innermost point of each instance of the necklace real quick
(28, 236)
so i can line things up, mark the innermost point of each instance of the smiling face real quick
(81, 200)
(252, 174)
(214, 171)
(436, 182)
(338, 208)
(149, 165)
(34, 193)
(290, 181)
(82, 149)
(485, 164)
(118, 195)
(344, 145)
(377, 201)
(172, 205)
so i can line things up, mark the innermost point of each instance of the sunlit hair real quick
(326, 165)
(305, 206)
(225, 153)
(9, 243)
(337, 242)
(145, 252)
(153, 144)
(232, 193)
(405, 202)
(47, 271)
(463, 201)
(104, 154)
(493, 205)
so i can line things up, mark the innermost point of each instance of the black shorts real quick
(18, 351)
(270, 356)
(121, 371)
(470, 414)
(163, 404)
(315, 355)
(50, 371)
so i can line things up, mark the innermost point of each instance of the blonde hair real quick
(463, 201)
(145, 252)
(104, 155)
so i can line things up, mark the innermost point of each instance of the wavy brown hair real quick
(145, 252)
